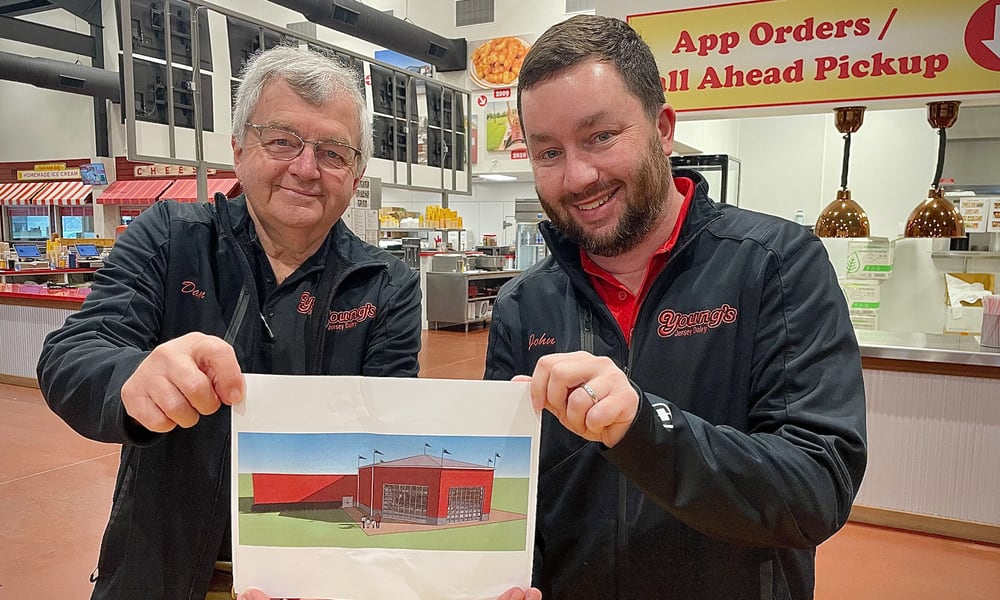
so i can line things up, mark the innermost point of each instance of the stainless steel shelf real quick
(964, 254)
(448, 296)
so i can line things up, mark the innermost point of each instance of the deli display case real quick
(530, 247)
(721, 171)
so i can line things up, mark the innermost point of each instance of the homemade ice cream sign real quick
(784, 52)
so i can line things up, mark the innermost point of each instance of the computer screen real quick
(26, 251)
(87, 251)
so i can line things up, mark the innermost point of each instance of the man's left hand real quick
(589, 395)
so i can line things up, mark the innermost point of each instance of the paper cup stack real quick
(990, 334)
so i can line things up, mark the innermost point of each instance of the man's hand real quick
(589, 395)
(181, 380)
(519, 594)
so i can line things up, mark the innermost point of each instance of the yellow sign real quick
(785, 52)
(50, 166)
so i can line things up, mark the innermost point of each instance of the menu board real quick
(974, 211)
(994, 214)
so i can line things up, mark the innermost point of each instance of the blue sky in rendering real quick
(339, 453)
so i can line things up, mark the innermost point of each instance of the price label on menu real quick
(994, 215)
(974, 213)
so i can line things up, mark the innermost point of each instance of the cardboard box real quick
(869, 258)
(861, 294)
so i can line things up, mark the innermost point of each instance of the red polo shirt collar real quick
(622, 303)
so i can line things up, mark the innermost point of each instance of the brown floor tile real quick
(865, 562)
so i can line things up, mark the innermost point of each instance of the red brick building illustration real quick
(418, 489)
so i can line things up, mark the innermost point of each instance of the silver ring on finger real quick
(590, 392)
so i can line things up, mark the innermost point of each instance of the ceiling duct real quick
(60, 75)
(382, 29)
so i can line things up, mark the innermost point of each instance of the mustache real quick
(596, 190)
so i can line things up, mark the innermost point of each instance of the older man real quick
(194, 295)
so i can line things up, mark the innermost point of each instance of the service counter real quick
(27, 314)
(64, 276)
(933, 433)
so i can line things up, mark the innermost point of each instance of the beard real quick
(645, 202)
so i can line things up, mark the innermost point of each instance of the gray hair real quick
(315, 77)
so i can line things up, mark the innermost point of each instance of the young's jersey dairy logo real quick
(306, 303)
(673, 323)
(338, 319)
(348, 319)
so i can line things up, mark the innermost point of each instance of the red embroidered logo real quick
(348, 319)
(680, 324)
(190, 287)
(541, 340)
(306, 303)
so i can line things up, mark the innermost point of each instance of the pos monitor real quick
(27, 252)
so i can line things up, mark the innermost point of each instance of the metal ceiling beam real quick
(17, 8)
(47, 37)
(371, 25)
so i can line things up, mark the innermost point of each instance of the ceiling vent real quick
(575, 6)
(473, 12)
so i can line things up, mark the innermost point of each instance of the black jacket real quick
(745, 341)
(180, 268)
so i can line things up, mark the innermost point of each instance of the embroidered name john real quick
(673, 323)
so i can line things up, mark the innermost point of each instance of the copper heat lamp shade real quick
(844, 218)
(937, 216)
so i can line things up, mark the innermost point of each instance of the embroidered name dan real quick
(190, 287)
(673, 323)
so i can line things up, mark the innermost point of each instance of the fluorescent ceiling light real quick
(496, 177)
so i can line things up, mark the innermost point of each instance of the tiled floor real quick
(55, 491)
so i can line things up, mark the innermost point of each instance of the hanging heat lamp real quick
(844, 218)
(936, 216)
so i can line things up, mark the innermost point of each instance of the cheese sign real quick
(785, 52)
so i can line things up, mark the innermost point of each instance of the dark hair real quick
(591, 37)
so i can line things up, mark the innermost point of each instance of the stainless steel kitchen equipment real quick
(530, 247)
(449, 263)
(485, 262)
(721, 171)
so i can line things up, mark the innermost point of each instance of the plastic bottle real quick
(800, 217)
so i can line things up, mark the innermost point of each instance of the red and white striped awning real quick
(64, 193)
(186, 190)
(19, 193)
(137, 192)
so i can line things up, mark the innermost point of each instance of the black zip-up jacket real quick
(749, 445)
(180, 268)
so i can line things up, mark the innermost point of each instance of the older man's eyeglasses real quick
(285, 145)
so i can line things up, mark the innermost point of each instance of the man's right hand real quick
(519, 594)
(181, 380)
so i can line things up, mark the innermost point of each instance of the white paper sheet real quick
(453, 485)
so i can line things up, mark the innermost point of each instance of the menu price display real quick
(994, 215)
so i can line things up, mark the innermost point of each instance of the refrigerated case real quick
(530, 247)
(721, 171)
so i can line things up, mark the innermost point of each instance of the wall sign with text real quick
(783, 52)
